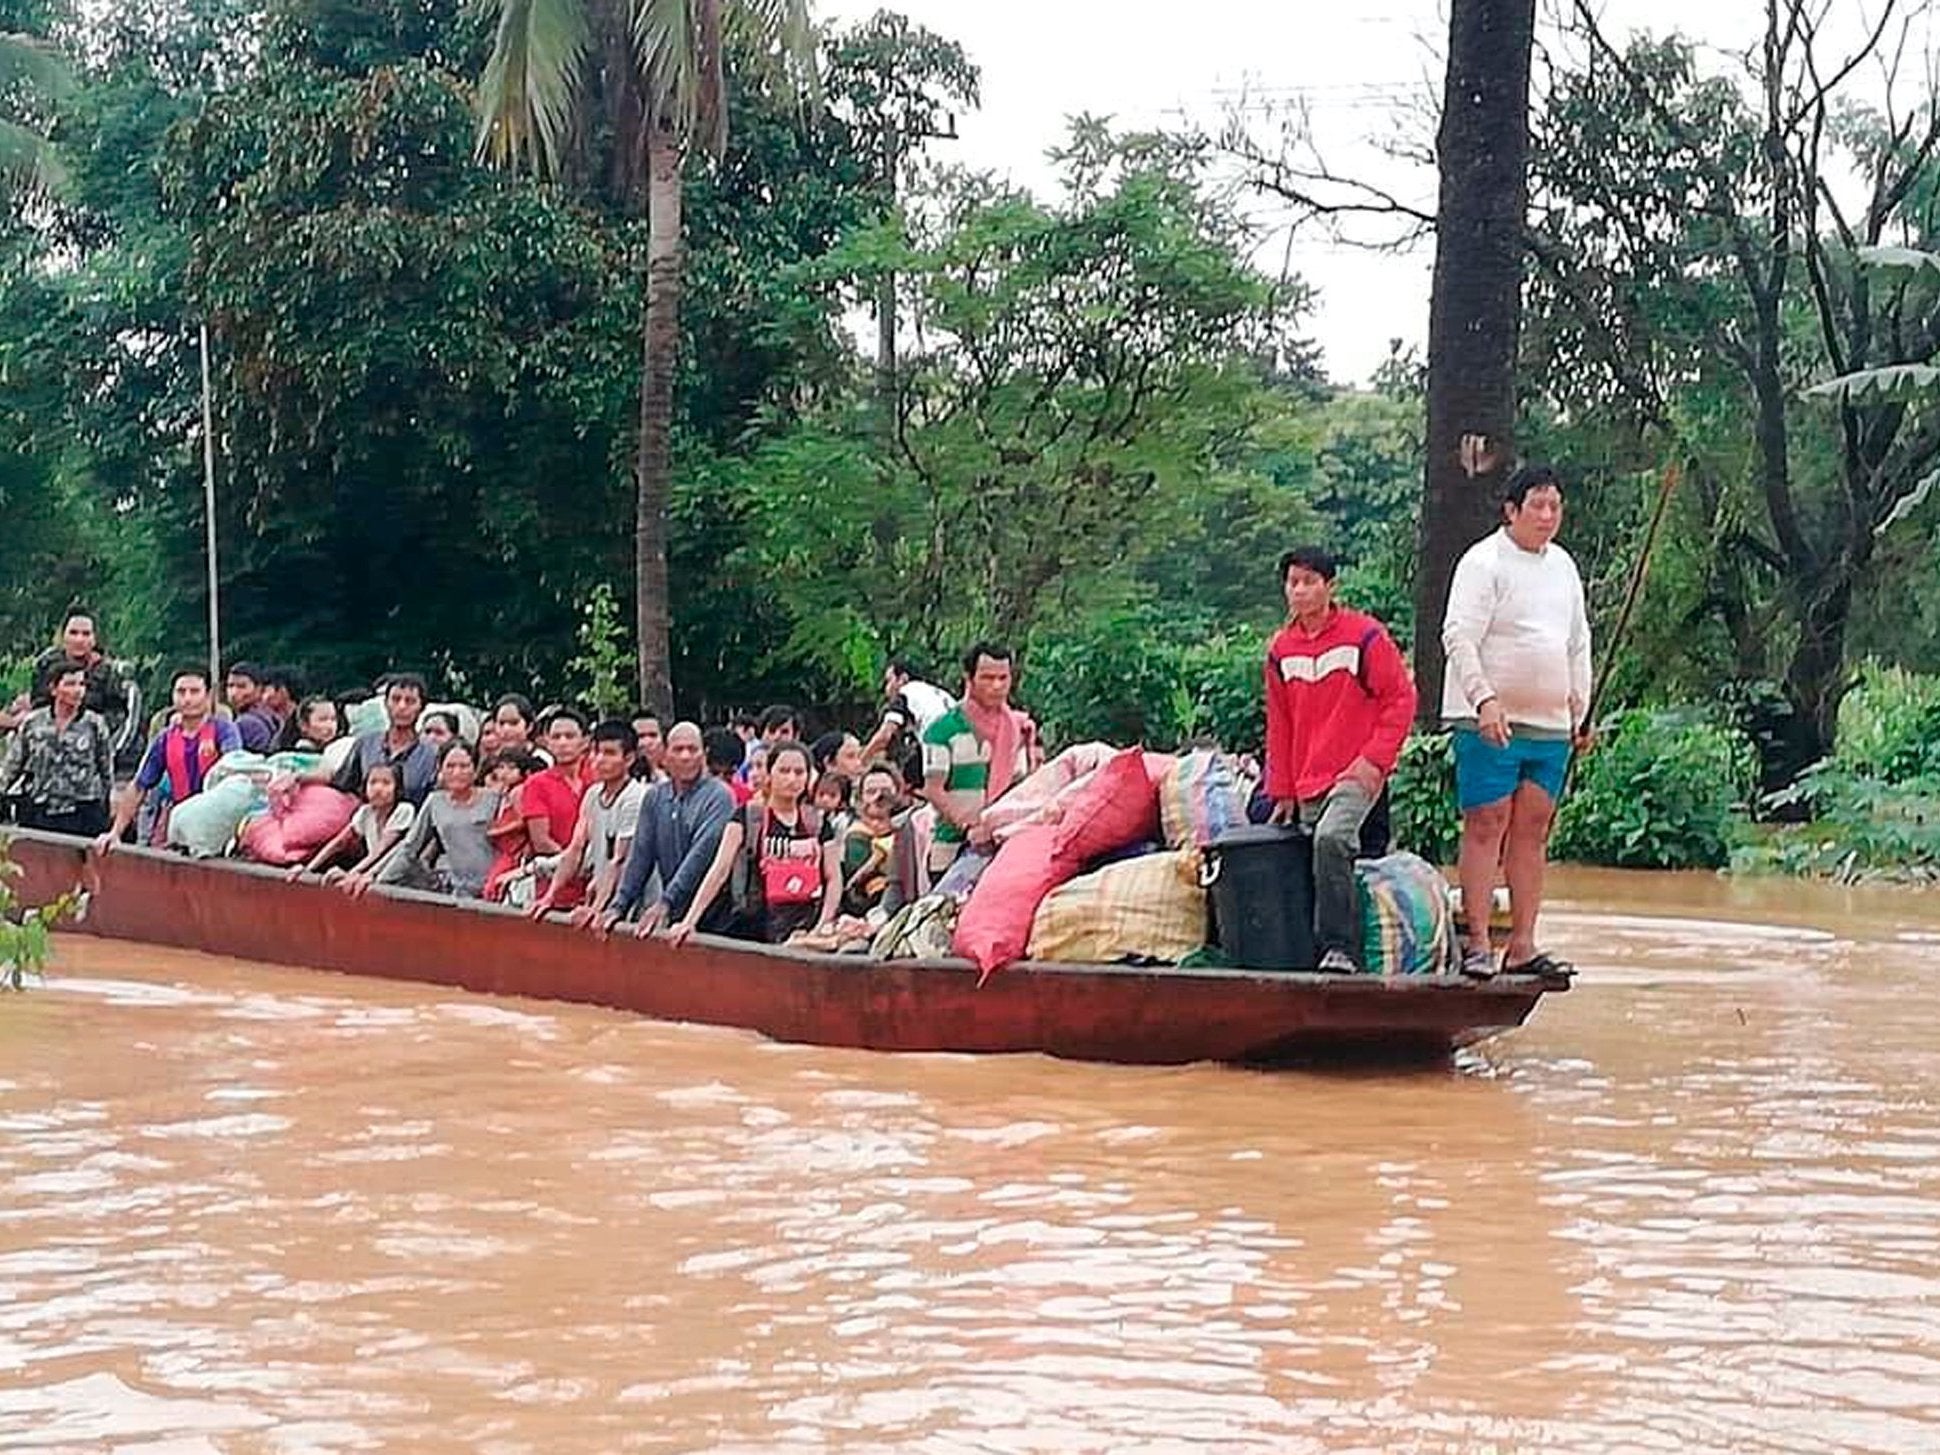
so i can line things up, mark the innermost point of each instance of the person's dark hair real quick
(201, 674)
(638, 713)
(311, 704)
(743, 720)
(284, 676)
(724, 749)
(519, 703)
(779, 716)
(247, 670)
(1530, 477)
(617, 730)
(67, 619)
(457, 745)
(902, 667)
(823, 750)
(837, 781)
(449, 719)
(526, 763)
(56, 670)
(571, 714)
(996, 651)
(783, 750)
(1316, 559)
(389, 770)
(409, 680)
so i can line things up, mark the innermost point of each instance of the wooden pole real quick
(209, 513)
(1672, 473)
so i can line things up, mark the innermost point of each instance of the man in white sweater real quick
(1517, 638)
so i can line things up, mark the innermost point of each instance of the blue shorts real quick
(1486, 774)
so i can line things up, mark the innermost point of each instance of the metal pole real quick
(209, 513)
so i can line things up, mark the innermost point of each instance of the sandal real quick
(1478, 964)
(1544, 966)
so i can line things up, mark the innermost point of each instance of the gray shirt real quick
(464, 853)
(676, 839)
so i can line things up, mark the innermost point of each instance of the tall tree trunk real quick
(652, 461)
(1475, 312)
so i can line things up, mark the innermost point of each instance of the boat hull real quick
(1118, 1013)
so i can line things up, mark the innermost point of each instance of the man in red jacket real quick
(1339, 702)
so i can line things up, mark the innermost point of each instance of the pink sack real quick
(1117, 807)
(297, 827)
(995, 925)
(1039, 798)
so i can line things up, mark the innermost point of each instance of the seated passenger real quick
(506, 774)
(380, 824)
(869, 843)
(832, 797)
(789, 855)
(681, 819)
(243, 688)
(551, 798)
(396, 743)
(609, 813)
(448, 850)
(438, 728)
(839, 753)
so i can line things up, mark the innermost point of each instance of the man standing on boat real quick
(1339, 702)
(974, 753)
(1517, 636)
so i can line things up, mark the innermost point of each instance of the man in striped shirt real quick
(974, 753)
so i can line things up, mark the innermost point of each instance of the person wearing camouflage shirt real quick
(62, 757)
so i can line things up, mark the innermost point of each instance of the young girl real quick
(832, 800)
(791, 858)
(506, 774)
(380, 824)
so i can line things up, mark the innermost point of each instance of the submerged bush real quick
(1663, 789)
(1889, 727)
(1861, 828)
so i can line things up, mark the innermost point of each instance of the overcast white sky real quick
(1356, 63)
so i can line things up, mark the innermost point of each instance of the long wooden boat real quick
(1115, 1013)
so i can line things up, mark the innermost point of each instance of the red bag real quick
(787, 880)
(994, 926)
(1117, 808)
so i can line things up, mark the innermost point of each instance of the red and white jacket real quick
(1332, 696)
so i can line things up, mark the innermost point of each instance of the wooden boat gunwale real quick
(1108, 1012)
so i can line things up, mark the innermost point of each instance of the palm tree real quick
(622, 90)
(31, 76)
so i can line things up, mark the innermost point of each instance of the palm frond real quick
(783, 33)
(1893, 384)
(530, 90)
(1909, 502)
(679, 48)
(31, 64)
(1908, 263)
(29, 166)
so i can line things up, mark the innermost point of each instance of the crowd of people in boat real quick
(751, 827)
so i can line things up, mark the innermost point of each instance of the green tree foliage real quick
(1695, 269)
(1662, 790)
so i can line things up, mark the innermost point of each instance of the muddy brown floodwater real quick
(1694, 1206)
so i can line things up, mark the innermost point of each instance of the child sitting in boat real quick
(380, 824)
